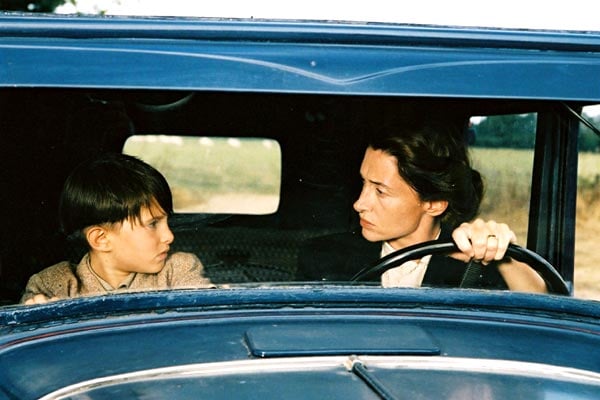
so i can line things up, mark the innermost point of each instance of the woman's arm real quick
(487, 241)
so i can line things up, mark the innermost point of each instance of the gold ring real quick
(492, 236)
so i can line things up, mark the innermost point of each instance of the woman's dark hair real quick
(109, 189)
(433, 159)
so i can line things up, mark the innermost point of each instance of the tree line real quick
(518, 132)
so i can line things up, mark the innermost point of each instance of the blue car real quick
(259, 127)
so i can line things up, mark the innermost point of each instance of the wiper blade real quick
(357, 367)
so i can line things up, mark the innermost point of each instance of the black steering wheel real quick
(553, 279)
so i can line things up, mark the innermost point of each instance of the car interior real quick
(47, 132)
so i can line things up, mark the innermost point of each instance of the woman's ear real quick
(97, 238)
(436, 208)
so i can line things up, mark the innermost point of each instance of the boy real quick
(119, 205)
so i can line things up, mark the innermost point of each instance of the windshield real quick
(272, 190)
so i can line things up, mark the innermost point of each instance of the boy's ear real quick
(436, 207)
(97, 238)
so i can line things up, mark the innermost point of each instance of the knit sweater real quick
(66, 280)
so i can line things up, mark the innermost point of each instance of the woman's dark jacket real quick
(338, 257)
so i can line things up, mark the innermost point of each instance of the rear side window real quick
(215, 175)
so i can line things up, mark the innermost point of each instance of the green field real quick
(507, 176)
(507, 179)
(588, 206)
(199, 169)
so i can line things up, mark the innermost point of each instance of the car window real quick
(300, 177)
(215, 174)
(503, 150)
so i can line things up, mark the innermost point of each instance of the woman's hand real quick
(485, 242)
(482, 241)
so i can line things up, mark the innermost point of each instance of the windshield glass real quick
(316, 192)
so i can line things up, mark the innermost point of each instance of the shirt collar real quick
(386, 247)
(107, 286)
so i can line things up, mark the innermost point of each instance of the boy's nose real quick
(168, 236)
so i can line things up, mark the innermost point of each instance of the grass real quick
(507, 179)
(199, 170)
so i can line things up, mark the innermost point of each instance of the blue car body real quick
(285, 339)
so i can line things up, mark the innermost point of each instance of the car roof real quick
(298, 57)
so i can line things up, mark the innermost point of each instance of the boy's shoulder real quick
(60, 270)
(182, 258)
(54, 281)
(184, 270)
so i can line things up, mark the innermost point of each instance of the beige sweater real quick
(65, 280)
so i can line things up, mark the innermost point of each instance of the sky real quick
(581, 15)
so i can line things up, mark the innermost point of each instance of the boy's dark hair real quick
(433, 159)
(109, 189)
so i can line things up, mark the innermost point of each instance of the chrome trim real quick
(290, 364)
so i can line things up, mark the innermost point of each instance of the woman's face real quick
(389, 208)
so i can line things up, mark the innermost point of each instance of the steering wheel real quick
(553, 279)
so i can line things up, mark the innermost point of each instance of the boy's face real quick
(141, 245)
(389, 208)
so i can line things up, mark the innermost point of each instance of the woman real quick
(418, 185)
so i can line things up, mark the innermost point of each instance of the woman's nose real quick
(360, 203)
